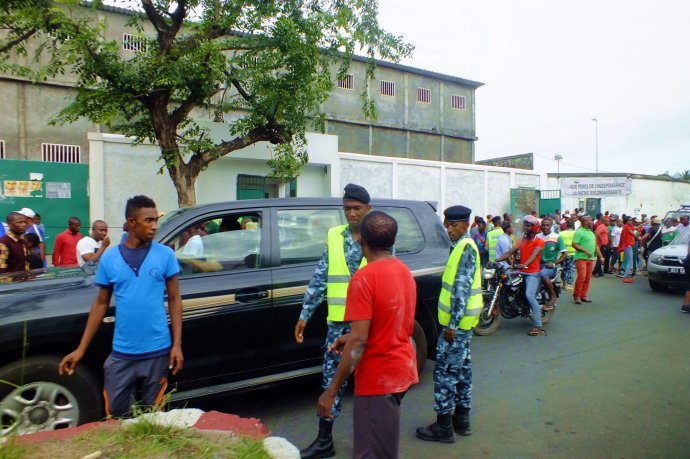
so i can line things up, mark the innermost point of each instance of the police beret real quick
(356, 192)
(457, 213)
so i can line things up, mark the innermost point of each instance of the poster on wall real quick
(58, 190)
(22, 189)
(595, 187)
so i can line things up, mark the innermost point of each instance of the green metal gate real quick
(523, 201)
(549, 201)
(56, 191)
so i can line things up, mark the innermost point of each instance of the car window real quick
(227, 243)
(303, 232)
(410, 237)
(682, 238)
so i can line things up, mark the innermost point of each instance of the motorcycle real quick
(504, 297)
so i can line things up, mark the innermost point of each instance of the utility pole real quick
(558, 159)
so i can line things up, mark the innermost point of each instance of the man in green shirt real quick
(585, 245)
(553, 254)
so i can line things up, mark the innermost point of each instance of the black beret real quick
(457, 213)
(356, 192)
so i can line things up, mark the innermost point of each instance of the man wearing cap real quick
(32, 227)
(14, 256)
(459, 305)
(530, 248)
(341, 259)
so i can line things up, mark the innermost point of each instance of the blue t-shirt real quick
(141, 326)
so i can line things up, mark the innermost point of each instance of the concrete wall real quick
(648, 196)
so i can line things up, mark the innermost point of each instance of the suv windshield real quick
(682, 238)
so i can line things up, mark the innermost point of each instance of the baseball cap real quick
(27, 212)
(656, 221)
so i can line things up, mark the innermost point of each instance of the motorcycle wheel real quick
(488, 324)
(547, 315)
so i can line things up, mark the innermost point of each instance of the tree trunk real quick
(184, 179)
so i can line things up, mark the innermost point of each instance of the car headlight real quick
(489, 273)
(656, 259)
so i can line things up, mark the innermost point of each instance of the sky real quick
(550, 66)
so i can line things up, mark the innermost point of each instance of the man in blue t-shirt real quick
(138, 273)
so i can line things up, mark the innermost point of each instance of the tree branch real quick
(155, 17)
(11, 44)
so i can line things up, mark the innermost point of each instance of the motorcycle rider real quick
(554, 253)
(530, 248)
(459, 305)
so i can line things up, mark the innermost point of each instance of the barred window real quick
(133, 42)
(387, 88)
(424, 95)
(58, 153)
(2, 149)
(347, 82)
(457, 102)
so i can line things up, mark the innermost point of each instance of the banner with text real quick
(595, 187)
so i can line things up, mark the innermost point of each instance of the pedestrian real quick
(652, 238)
(530, 248)
(615, 235)
(91, 248)
(568, 267)
(341, 259)
(32, 242)
(34, 228)
(586, 251)
(139, 273)
(489, 223)
(381, 300)
(479, 238)
(625, 246)
(14, 255)
(683, 224)
(492, 238)
(552, 255)
(504, 242)
(459, 305)
(601, 233)
(65, 249)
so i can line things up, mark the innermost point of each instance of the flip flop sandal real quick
(536, 331)
(549, 307)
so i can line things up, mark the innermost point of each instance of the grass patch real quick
(143, 439)
(11, 450)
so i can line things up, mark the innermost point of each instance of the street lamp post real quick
(596, 143)
(558, 159)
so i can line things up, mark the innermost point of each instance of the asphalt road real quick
(611, 380)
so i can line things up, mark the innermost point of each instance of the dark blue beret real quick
(457, 213)
(356, 192)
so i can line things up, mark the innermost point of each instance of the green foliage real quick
(269, 65)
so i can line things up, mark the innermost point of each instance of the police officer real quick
(459, 306)
(340, 260)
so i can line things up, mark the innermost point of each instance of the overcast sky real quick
(550, 66)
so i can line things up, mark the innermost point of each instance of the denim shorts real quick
(547, 272)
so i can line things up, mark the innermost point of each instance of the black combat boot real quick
(461, 421)
(323, 445)
(441, 430)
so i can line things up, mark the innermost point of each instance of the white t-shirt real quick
(87, 245)
(616, 232)
(194, 247)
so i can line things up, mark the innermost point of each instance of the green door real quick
(549, 201)
(523, 201)
(593, 206)
(251, 187)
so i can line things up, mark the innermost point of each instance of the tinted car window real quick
(410, 237)
(228, 243)
(303, 233)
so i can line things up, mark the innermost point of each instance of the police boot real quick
(461, 421)
(323, 445)
(441, 430)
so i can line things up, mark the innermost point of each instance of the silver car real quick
(666, 264)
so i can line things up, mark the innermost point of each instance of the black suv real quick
(245, 266)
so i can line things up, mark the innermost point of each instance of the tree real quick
(683, 175)
(271, 63)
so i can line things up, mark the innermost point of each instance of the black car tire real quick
(657, 287)
(40, 375)
(420, 346)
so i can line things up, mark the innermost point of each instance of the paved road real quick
(611, 380)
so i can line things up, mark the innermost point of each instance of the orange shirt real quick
(526, 250)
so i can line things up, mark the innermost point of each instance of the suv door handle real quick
(244, 296)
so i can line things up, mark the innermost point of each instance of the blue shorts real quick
(547, 272)
(129, 381)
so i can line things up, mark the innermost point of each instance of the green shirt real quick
(553, 246)
(585, 238)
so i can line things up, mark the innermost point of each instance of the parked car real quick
(683, 211)
(665, 267)
(242, 283)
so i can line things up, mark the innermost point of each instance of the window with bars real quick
(133, 42)
(2, 149)
(457, 102)
(387, 88)
(59, 153)
(424, 95)
(347, 82)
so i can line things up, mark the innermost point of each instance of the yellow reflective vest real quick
(568, 236)
(491, 239)
(338, 274)
(474, 305)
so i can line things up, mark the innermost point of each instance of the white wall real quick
(648, 196)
